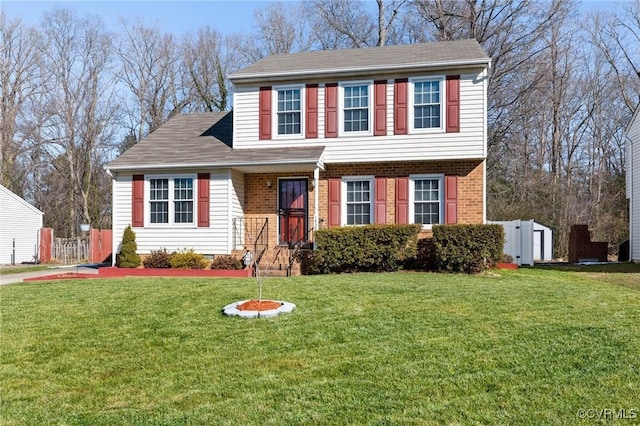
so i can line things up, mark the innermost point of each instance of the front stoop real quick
(276, 262)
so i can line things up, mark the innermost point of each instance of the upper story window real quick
(289, 111)
(427, 111)
(358, 198)
(426, 195)
(171, 200)
(356, 108)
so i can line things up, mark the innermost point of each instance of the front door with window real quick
(292, 210)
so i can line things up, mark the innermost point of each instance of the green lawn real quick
(19, 269)
(525, 347)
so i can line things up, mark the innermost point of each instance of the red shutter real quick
(203, 200)
(453, 103)
(264, 120)
(381, 200)
(402, 200)
(311, 111)
(450, 200)
(380, 112)
(400, 106)
(137, 198)
(331, 110)
(334, 201)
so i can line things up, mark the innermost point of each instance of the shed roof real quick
(204, 140)
(457, 53)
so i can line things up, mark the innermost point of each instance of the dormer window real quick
(289, 111)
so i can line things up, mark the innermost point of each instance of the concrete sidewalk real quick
(18, 277)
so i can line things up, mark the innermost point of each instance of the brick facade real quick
(262, 201)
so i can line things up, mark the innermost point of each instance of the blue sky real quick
(177, 17)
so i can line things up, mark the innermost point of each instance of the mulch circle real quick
(258, 305)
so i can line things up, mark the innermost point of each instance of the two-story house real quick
(382, 135)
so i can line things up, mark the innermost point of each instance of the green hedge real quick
(362, 248)
(467, 248)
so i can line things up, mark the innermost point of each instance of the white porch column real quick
(316, 181)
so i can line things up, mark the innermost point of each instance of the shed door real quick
(292, 210)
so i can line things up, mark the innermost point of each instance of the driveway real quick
(18, 277)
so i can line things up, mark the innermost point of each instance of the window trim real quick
(412, 200)
(370, 106)
(274, 108)
(343, 198)
(411, 104)
(171, 178)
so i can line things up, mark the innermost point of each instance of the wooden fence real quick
(94, 248)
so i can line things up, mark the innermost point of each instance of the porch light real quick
(269, 184)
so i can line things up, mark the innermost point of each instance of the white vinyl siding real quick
(207, 240)
(19, 222)
(236, 201)
(633, 186)
(469, 143)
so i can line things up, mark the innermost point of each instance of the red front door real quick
(292, 210)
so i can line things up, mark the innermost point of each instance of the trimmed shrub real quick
(226, 262)
(467, 248)
(425, 256)
(158, 259)
(362, 248)
(128, 257)
(188, 259)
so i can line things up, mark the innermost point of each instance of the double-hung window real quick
(356, 108)
(358, 196)
(171, 200)
(427, 110)
(427, 193)
(289, 111)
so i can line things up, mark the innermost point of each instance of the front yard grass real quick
(512, 347)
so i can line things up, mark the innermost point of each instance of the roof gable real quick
(8, 194)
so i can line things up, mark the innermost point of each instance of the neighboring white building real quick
(20, 225)
(527, 241)
(633, 184)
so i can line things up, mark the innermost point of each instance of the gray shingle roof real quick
(201, 141)
(418, 56)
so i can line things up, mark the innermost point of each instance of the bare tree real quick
(151, 71)
(78, 114)
(19, 83)
(278, 28)
(206, 65)
(346, 24)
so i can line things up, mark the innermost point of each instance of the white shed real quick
(20, 225)
(527, 241)
(633, 184)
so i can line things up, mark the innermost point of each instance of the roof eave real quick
(351, 71)
(223, 165)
